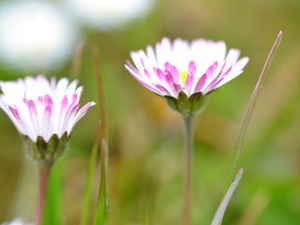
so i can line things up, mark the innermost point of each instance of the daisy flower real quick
(16, 222)
(184, 73)
(181, 69)
(35, 35)
(108, 14)
(43, 111)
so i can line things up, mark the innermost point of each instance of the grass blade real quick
(239, 145)
(217, 220)
(52, 214)
(102, 213)
(76, 61)
(86, 207)
(103, 206)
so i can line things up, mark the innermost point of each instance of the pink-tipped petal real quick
(14, 112)
(189, 82)
(64, 103)
(81, 112)
(163, 90)
(150, 87)
(159, 73)
(172, 70)
(235, 71)
(200, 84)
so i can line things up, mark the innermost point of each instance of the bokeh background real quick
(146, 158)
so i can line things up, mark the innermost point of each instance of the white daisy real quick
(42, 108)
(16, 222)
(105, 14)
(35, 35)
(179, 66)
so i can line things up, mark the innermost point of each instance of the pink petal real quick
(192, 68)
(162, 89)
(48, 101)
(70, 115)
(211, 69)
(32, 108)
(172, 70)
(142, 81)
(200, 84)
(217, 79)
(145, 70)
(48, 112)
(190, 78)
(222, 77)
(154, 89)
(136, 74)
(64, 103)
(236, 70)
(82, 112)
(128, 66)
(202, 81)
(40, 99)
(159, 73)
(15, 112)
(174, 87)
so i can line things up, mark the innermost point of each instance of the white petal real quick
(164, 52)
(236, 70)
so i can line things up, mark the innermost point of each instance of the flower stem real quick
(188, 150)
(44, 172)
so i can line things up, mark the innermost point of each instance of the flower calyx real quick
(185, 105)
(46, 152)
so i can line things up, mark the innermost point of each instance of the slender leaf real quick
(239, 145)
(101, 95)
(53, 210)
(102, 211)
(76, 60)
(87, 201)
(217, 220)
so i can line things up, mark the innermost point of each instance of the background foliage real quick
(146, 138)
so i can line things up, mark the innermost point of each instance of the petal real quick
(163, 52)
(236, 70)
(200, 84)
(79, 115)
(189, 82)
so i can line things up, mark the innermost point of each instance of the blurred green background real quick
(146, 158)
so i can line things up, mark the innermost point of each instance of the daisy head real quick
(16, 222)
(43, 111)
(181, 69)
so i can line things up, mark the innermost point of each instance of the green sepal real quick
(187, 105)
(46, 152)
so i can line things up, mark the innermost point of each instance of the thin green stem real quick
(87, 201)
(106, 181)
(44, 173)
(188, 151)
(102, 212)
(103, 207)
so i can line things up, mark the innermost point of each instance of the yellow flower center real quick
(183, 76)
